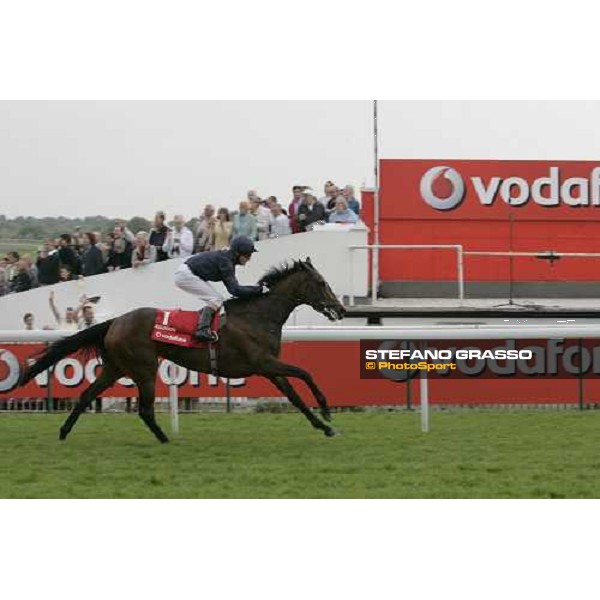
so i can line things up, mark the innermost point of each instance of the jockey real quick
(219, 265)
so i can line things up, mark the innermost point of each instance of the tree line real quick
(42, 228)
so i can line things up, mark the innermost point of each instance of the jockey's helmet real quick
(243, 246)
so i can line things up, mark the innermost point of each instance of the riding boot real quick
(204, 332)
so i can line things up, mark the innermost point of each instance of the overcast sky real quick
(133, 158)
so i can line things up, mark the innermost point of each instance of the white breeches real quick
(188, 282)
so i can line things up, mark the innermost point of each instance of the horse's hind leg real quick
(285, 386)
(146, 387)
(110, 373)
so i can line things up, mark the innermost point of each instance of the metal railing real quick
(544, 254)
(375, 275)
(461, 254)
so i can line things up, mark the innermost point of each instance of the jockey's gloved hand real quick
(263, 286)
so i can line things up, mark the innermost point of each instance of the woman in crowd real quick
(223, 229)
(180, 240)
(119, 254)
(143, 253)
(341, 212)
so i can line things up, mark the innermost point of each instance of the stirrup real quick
(214, 336)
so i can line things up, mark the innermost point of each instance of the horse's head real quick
(303, 284)
(316, 292)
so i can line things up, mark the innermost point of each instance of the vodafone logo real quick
(9, 371)
(442, 188)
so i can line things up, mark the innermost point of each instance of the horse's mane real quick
(277, 274)
(271, 278)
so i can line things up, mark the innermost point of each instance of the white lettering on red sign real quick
(440, 189)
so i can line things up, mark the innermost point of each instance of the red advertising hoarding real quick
(335, 366)
(489, 205)
(490, 190)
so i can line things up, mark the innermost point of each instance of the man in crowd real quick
(204, 232)
(280, 224)
(127, 233)
(69, 321)
(293, 208)
(93, 262)
(119, 254)
(67, 256)
(348, 193)
(331, 193)
(271, 201)
(158, 235)
(310, 211)
(28, 321)
(31, 270)
(48, 264)
(180, 240)
(88, 318)
(244, 223)
(12, 258)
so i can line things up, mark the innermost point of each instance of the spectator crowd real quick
(76, 255)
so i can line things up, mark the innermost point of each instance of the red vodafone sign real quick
(490, 189)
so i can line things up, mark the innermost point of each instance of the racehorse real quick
(249, 344)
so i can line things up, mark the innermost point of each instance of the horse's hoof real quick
(62, 436)
(326, 415)
(332, 432)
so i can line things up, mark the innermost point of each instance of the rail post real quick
(460, 267)
(424, 389)
(173, 398)
(580, 379)
(351, 295)
(49, 397)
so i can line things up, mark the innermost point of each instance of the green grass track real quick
(521, 454)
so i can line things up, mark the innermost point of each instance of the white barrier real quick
(376, 332)
(339, 333)
(153, 285)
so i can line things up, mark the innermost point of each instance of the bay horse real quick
(249, 344)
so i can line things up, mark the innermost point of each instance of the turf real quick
(380, 455)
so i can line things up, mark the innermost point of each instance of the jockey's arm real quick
(241, 291)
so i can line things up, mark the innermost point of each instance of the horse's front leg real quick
(284, 386)
(286, 370)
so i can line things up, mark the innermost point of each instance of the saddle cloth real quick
(176, 326)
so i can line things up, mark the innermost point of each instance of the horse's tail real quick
(91, 340)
